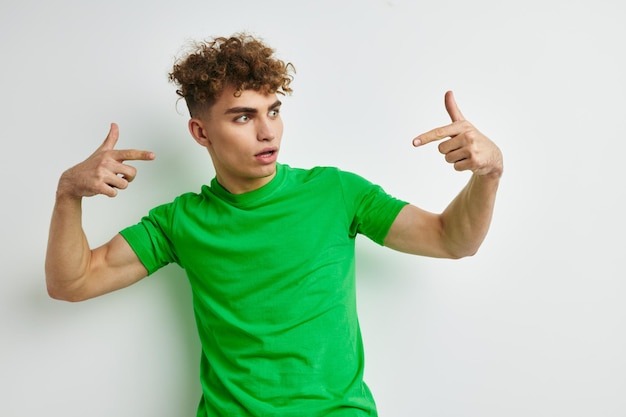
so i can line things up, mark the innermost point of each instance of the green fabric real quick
(273, 278)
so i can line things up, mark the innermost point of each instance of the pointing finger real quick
(124, 154)
(438, 134)
(445, 131)
(133, 155)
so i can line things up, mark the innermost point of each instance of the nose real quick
(265, 130)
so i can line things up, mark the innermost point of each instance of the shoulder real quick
(321, 173)
(186, 202)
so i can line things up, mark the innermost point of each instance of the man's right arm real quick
(74, 271)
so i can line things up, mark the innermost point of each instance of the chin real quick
(268, 171)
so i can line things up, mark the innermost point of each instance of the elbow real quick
(455, 256)
(462, 247)
(461, 252)
(56, 294)
(464, 254)
(63, 293)
(65, 296)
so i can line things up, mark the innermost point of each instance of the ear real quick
(197, 130)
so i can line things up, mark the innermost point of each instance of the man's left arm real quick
(461, 228)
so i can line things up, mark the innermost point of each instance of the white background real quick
(533, 325)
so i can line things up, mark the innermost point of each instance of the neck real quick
(242, 186)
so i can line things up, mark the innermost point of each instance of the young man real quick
(268, 249)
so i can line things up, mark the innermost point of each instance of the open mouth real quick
(266, 154)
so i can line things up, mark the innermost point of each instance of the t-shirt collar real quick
(250, 197)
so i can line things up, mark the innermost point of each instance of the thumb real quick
(452, 108)
(111, 139)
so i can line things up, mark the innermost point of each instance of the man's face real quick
(243, 137)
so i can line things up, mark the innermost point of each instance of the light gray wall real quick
(532, 325)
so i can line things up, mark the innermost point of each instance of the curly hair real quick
(241, 61)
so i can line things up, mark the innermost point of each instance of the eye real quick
(242, 119)
(274, 113)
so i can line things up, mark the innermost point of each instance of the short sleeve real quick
(374, 210)
(150, 238)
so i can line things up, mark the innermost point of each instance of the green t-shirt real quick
(272, 273)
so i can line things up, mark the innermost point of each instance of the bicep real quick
(113, 266)
(417, 232)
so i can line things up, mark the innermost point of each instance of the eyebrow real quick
(238, 110)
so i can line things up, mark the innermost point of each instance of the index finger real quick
(133, 155)
(445, 131)
(123, 154)
(438, 134)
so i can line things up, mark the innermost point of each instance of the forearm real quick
(466, 221)
(73, 270)
(68, 253)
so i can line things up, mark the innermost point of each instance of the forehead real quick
(247, 99)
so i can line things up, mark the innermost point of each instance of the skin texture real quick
(242, 135)
(74, 272)
(461, 228)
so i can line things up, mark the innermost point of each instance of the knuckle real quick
(104, 165)
(100, 176)
(465, 125)
(472, 158)
(106, 190)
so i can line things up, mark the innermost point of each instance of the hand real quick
(104, 171)
(467, 148)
